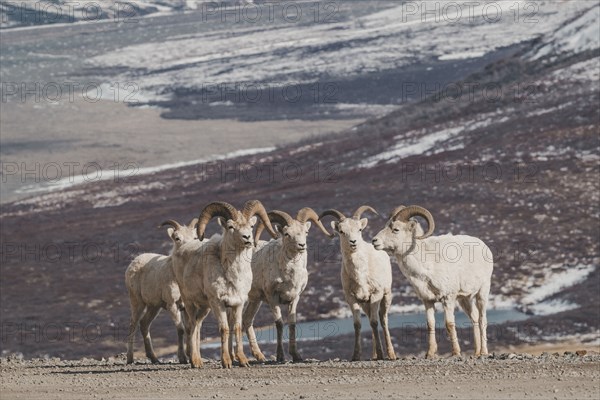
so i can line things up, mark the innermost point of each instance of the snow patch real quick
(578, 36)
(551, 307)
(538, 297)
(583, 71)
(416, 142)
(462, 55)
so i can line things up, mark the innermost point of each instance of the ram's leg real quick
(276, 311)
(231, 322)
(201, 315)
(145, 322)
(239, 336)
(430, 311)
(221, 315)
(188, 330)
(293, 347)
(248, 326)
(186, 324)
(373, 320)
(473, 314)
(481, 301)
(137, 311)
(357, 327)
(383, 318)
(177, 318)
(367, 310)
(195, 317)
(449, 306)
(186, 327)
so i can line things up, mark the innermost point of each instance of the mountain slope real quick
(518, 170)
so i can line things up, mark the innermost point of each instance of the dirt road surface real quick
(503, 376)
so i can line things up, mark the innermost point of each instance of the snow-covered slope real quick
(382, 39)
(28, 13)
(578, 35)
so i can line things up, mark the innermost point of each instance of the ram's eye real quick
(396, 230)
(341, 232)
(286, 234)
(360, 230)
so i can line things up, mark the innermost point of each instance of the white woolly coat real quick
(276, 276)
(366, 274)
(151, 276)
(447, 265)
(207, 272)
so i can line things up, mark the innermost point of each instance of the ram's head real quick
(237, 224)
(349, 229)
(401, 231)
(181, 234)
(294, 231)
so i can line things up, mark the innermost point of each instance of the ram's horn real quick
(362, 209)
(255, 207)
(396, 210)
(215, 209)
(412, 211)
(172, 223)
(308, 213)
(334, 213)
(277, 217)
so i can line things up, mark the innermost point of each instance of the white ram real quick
(217, 274)
(366, 280)
(446, 269)
(279, 276)
(151, 285)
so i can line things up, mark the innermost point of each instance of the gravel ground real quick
(501, 376)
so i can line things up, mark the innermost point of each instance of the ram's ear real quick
(170, 232)
(253, 220)
(307, 226)
(363, 223)
(412, 225)
(335, 226)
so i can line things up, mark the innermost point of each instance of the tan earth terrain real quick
(502, 376)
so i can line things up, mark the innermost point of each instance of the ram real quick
(279, 276)
(217, 274)
(446, 269)
(366, 279)
(151, 285)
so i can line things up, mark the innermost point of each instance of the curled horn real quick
(255, 207)
(277, 217)
(334, 213)
(360, 210)
(411, 211)
(193, 223)
(280, 217)
(172, 223)
(396, 210)
(215, 209)
(308, 213)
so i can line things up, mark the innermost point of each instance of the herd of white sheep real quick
(234, 272)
